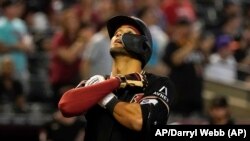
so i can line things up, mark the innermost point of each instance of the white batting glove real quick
(94, 79)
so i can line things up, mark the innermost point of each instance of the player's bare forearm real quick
(129, 115)
(77, 101)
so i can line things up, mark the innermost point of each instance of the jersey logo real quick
(164, 90)
(149, 101)
(162, 93)
(137, 98)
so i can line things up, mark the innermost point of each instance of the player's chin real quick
(118, 51)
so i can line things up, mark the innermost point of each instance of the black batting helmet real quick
(143, 53)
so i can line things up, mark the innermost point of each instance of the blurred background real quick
(48, 46)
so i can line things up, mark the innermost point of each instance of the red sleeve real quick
(78, 100)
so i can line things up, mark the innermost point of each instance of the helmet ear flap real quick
(137, 45)
(133, 42)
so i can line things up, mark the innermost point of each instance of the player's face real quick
(117, 48)
(116, 39)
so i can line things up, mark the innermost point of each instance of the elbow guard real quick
(154, 114)
(146, 116)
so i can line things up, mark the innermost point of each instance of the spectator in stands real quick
(123, 7)
(15, 39)
(185, 61)
(246, 13)
(157, 11)
(206, 45)
(11, 90)
(242, 55)
(176, 9)
(67, 46)
(94, 12)
(231, 25)
(219, 112)
(96, 57)
(160, 38)
(41, 32)
(222, 65)
(62, 129)
(20, 105)
(231, 8)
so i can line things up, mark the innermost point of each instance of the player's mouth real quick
(118, 41)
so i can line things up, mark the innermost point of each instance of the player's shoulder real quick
(159, 86)
(157, 78)
(158, 81)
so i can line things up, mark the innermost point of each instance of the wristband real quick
(106, 100)
(111, 105)
(109, 102)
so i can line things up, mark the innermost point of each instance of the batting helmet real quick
(139, 46)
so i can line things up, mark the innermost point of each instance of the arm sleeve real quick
(78, 100)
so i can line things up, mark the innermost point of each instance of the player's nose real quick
(118, 35)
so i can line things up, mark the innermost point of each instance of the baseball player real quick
(124, 105)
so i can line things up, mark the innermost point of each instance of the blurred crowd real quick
(48, 46)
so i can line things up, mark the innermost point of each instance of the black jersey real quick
(154, 101)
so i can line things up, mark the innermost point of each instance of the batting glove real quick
(131, 80)
(94, 79)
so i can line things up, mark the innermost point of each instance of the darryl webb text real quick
(202, 133)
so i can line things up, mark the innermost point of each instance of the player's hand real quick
(131, 80)
(92, 80)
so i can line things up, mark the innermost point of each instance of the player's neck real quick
(125, 65)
